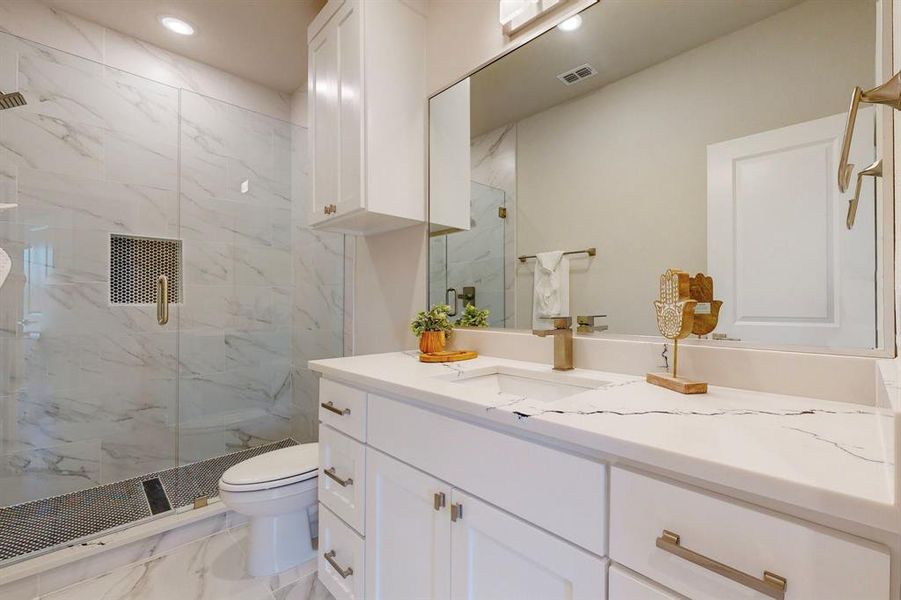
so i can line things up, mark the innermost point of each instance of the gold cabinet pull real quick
(440, 500)
(343, 572)
(330, 472)
(889, 93)
(456, 512)
(162, 300)
(331, 407)
(770, 584)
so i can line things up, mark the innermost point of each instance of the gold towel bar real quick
(588, 251)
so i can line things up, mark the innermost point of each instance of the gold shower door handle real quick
(889, 93)
(162, 300)
(771, 585)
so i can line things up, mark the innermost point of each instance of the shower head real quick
(11, 100)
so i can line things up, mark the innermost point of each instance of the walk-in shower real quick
(107, 181)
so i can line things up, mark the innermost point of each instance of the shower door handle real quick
(453, 305)
(162, 300)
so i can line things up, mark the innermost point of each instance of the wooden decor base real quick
(677, 384)
(448, 356)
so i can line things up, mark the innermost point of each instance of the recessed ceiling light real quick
(177, 26)
(571, 24)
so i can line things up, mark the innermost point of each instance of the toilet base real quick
(279, 543)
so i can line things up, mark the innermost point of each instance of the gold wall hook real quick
(889, 94)
(874, 170)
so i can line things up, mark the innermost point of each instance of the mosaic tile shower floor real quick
(33, 527)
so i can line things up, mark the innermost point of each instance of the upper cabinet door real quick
(323, 103)
(336, 95)
(495, 556)
(367, 116)
(408, 523)
(350, 108)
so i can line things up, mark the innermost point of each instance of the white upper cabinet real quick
(449, 160)
(367, 104)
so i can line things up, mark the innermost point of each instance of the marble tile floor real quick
(212, 568)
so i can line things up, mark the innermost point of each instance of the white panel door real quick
(495, 556)
(408, 532)
(323, 104)
(783, 262)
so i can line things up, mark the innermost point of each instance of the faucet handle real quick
(559, 322)
(586, 323)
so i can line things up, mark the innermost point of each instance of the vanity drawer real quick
(625, 585)
(816, 563)
(343, 408)
(559, 492)
(340, 548)
(342, 476)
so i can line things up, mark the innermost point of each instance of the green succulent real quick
(473, 317)
(435, 319)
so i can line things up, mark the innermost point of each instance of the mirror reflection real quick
(701, 135)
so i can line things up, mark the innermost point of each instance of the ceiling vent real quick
(578, 74)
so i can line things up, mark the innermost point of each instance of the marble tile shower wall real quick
(484, 256)
(493, 157)
(476, 257)
(92, 393)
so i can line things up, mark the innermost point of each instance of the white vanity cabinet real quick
(367, 102)
(409, 535)
(814, 561)
(497, 556)
(445, 507)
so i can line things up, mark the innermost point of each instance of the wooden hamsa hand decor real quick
(707, 310)
(675, 310)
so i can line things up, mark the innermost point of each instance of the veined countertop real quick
(830, 457)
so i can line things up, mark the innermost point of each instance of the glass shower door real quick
(88, 382)
(470, 264)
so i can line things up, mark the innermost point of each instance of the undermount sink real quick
(537, 385)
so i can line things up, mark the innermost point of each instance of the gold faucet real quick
(563, 341)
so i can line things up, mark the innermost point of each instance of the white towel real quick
(550, 295)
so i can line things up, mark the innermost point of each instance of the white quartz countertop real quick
(829, 457)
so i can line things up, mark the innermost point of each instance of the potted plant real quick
(432, 327)
(473, 317)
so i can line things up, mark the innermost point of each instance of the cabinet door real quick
(323, 104)
(408, 532)
(348, 29)
(495, 556)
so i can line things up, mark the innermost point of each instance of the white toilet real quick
(276, 490)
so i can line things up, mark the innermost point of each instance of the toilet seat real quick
(274, 469)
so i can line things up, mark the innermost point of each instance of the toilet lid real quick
(275, 468)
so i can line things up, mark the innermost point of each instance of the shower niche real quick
(136, 264)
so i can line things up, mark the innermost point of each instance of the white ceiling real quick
(261, 40)
(618, 38)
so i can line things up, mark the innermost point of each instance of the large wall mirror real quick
(702, 135)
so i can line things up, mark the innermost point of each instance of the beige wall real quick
(625, 168)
